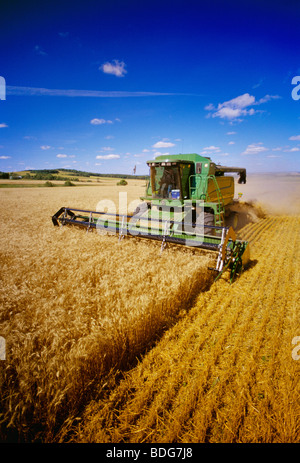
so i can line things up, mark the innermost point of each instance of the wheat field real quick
(77, 307)
(225, 372)
(111, 341)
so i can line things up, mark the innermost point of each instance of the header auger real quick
(188, 202)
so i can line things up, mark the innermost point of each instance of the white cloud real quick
(108, 156)
(291, 150)
(107, 148)
(61, 156)
(212, 148)
(163, 144)
(231, 133)
(45, 147)
(73, 93)
(117, 68)
(237, 107)
(241, 101)
(5, 157)
(267, 98)
(209, 107)
(3, 125)
(295, 137)
(255, 148)
(231, 143)
(209, 150)
(97, 121)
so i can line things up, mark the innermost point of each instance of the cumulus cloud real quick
(61, 156)
(3, 125)
(237, 107)
(108, 156)
(163, 144)
(295, 137)
(45, 147)
(116, 68)
(5, 157)
(97, 121)
(254, 148)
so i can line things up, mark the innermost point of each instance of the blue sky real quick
(104, 86)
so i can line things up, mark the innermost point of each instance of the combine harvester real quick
(188, 202)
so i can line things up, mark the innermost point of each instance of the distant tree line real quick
(55, 174)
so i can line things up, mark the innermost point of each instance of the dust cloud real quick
(275, 194)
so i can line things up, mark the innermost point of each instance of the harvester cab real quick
(187, 201)
(190, 179)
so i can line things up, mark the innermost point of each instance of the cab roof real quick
(192, 157)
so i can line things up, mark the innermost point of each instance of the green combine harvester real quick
(189, 201)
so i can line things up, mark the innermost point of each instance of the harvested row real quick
(225, 372)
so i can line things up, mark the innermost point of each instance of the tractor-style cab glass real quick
(165, 181)
(170, 180)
